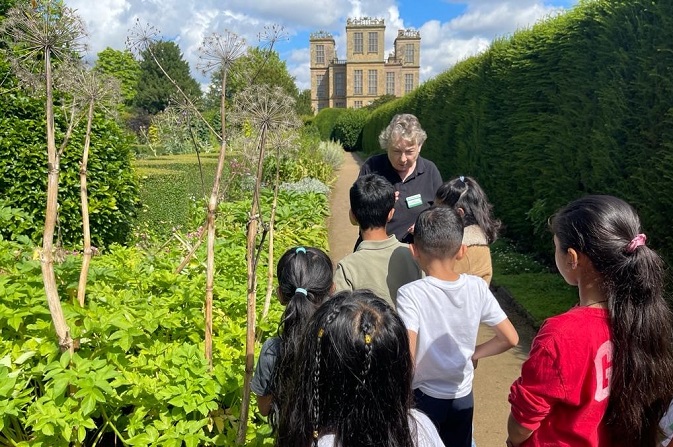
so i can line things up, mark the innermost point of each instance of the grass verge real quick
(541, 292)
(166, 185)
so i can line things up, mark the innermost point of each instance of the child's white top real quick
(423, 432)
(446, 316)
(666, 425)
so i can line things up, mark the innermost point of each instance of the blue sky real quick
(451, 30)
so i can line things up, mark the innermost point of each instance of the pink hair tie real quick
(636, 242)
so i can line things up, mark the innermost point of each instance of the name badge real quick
(414, 201)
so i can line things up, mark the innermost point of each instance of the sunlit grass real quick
(167, 185)
(539, 290)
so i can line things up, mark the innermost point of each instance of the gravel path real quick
(494, 374)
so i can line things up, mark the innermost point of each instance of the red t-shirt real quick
(563, 390)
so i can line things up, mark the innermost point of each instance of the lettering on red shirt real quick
(603, 365)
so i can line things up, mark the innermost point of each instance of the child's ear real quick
(414, 250)
(461, 252)
(352, 218)
(280, 296)
(573, 258)
(391, 214)
(460, 212)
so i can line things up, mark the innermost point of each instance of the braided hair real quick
(305, 278)
(353, 377)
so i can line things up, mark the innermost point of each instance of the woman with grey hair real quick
(415, 178)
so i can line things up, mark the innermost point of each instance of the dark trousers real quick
(452, 417)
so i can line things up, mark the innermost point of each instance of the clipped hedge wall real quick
(348, 128)
(581, 103)
(112, 186)
(325, 121)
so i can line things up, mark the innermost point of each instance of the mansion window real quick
(320, 54)
(357, 43)
(357, 82)
(390, 83)
(373, 82)
(339, 84)
(357, 104)
(409, 53)
(320, 81)
(373, 42)
(408, 83)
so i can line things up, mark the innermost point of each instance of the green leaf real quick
(23, 357)
(88, 404)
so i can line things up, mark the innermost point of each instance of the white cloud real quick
(444, 40)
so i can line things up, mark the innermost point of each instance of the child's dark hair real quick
(438, 232)
(354, 376)
(465, 193)
(305, 278)
(372, 198)
(607, 230)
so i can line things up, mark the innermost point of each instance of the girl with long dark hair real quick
(304, 283)
(353, 380)
(481, 229)
(601, 373)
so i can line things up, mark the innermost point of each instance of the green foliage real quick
(378, 102)
(258, 66)
(139, 376)
(167, 186)
(154, 90)
(348, 128)
(539, 290)
(23, 172)
(581, 103)
(123, 66)
(325, 121)
(303, 105)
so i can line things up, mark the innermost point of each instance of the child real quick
(466, 196)
(353, 384)
(380, 263)
(601, 373)
(304, 282)
(442, 313)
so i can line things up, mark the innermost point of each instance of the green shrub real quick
(348, 129)
(325, 121)
(112, 187)
(139, 376)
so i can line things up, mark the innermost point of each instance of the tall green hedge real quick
(325, 121)
(581, 103)
(112, 186)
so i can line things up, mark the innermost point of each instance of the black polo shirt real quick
(425, 180)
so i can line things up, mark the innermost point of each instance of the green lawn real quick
(539, 290)
(167, 185)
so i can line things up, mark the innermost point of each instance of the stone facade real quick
(365, 73)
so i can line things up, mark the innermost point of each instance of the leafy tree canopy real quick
(258, 67)
(154, 89)
(303, 105)
(123, 66)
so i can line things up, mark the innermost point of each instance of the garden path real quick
(495, 374)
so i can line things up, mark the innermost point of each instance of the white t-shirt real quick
(423, 432)
(666, 425)
(446, 316)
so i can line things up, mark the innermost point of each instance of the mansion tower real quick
(365, 74)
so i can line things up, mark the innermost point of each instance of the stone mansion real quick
(365, 74)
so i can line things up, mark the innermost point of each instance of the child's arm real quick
(264, 404)
(516, 432)
(505, 338)
(413, 338)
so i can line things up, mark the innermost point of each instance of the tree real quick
(154, 89)
(303, 105)
(122, 66)
(259, 66)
